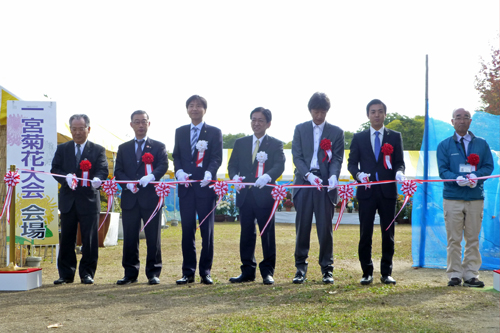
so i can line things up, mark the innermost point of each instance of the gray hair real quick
(453, 113)
(138, 112)
(78, 117)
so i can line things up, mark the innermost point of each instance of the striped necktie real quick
(78, 155)
(138, 152)
(194, 139)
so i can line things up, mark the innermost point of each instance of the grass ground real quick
(420, 302)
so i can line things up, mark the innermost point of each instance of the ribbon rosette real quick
(148, 160)
(387, 150)
(408, 188)
(110, 188)
(162, 190)
(278, 193)
(85, 166)
(261, 158)
(201, 146)
(220, 188)
(11, 179)
(473, 160)
(326, 145)
(346, 192)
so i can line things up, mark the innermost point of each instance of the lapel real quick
(263, 145)
(70, 151)
(203, 136)
(87, 151)
(324, 135)
(368, 143)
(309, 138)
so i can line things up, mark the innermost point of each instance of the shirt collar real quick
(81, 144)
(467, 137)
(381, 130)
(144, 138)
(321, 126)
(260, 140)
(199, 126)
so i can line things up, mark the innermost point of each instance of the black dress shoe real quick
(185, 279)
(207, 279)
(268, 279)
(387, 280)
(328, 278)
(241, 278)
(366, 280)
(63, 281)
(299, 278)
(87, 279)
(126, 280)
(154, 280)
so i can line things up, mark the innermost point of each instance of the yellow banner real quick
(4, 97)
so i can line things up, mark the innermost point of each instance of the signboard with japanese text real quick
(31, 144)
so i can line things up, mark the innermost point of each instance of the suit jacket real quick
(362, 159)
(303, 149)
(126, 168)
(185, 161)
(64, 162)
(240, 163)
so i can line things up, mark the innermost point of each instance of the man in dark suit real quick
(197, 156)
(256, 202)
(81, 205)
(366, 163)
(316, 166)
(139, 200)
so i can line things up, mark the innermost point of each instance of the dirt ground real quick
(107, 307)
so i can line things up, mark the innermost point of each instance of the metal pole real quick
(423, 218)
(12, 237)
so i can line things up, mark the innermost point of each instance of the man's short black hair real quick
(373, 102)
(319, 101)
(80, 116)
(138, 112)
(197, 98)
(265, 112)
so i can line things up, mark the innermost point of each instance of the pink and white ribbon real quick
(221, 189)
(11, 179)
(387, 161)
(278, 193)
(201, 146)
(74, 182)
(162, 190)
(318, 183)
(346, 192)
(408, 188)
(85, 178)
(260, 169)
(110, 188)
(148, 169)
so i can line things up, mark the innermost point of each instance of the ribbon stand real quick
(12, 277)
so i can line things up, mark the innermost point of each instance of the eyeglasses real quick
(460, 118)
(78, 129)
(258, 121)
(138, 122)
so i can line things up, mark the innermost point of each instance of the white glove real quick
(472, 180)
(262, 180)
(312, 179)
(182, 176)
(69, 179)
(144, 181)
(96, 182)
(132, 187)
(364, 177)
(332, 183)
(400, 177)
(461, 181)
(238, 187)
(206, 180)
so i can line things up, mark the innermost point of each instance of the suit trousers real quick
(307, 202)
(131, 220)
(463, 219)
(66, 260)
(386, 210)
(190, 205)
(248, 213)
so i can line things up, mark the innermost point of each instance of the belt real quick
(316, 172)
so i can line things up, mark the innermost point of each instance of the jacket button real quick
(191, 162)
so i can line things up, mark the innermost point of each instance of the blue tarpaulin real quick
(429, 247)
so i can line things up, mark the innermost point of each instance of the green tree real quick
(229, 139)
(488, 83)
(287, 145)
(412, 129)
(347, 139)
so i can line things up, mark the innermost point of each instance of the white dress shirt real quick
(317, 132)
(373, 136)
